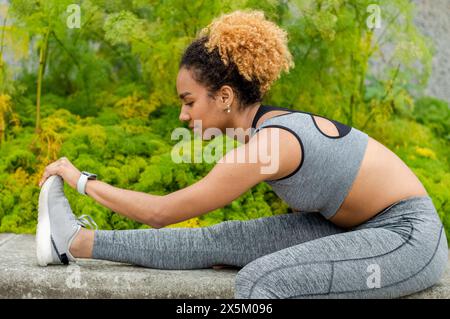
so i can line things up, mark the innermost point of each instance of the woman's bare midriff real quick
(383, 179)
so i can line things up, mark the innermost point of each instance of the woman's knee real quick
(250, 283)
(265, 278)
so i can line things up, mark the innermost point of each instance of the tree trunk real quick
(42, 62)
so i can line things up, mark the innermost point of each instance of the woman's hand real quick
(64, 168)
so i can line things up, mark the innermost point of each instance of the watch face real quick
(89, 175)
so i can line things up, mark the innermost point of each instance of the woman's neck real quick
(242, 121)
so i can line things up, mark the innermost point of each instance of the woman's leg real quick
(234, 243)
(402, 251)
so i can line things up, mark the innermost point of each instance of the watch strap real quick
(81, 184)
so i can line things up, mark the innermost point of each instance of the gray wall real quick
(433, 20)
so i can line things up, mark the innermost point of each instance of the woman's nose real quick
(184, 117)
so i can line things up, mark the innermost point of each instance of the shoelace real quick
(87, 221)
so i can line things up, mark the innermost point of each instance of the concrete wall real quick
(433, 20)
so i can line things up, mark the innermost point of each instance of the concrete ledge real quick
(21, 277)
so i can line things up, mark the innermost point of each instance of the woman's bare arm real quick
(224, 183)
(138, 206)
(228, 180)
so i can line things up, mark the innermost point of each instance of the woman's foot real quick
(57, 225)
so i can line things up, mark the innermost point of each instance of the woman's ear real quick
(226, 95)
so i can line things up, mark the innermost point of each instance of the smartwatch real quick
(84, 177)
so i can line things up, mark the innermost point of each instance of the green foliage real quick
(127, 155)
(435, 114)
(109, 101)
(332, 46)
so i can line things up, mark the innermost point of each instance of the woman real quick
(363, 225)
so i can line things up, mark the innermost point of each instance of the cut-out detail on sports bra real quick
(342, 128)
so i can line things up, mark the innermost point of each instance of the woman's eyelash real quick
(190, 103)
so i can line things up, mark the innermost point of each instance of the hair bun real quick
(258, 47)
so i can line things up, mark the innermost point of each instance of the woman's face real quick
(198, 106)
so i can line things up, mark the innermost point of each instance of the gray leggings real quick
(401, 250)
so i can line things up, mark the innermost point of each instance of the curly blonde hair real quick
(257, 46)
(242, 49)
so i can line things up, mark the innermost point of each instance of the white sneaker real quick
(57, 225)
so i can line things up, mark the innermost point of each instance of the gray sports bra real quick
(328, 166)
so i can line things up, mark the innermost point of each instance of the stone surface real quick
(21, 277)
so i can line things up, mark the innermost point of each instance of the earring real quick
(228, 109)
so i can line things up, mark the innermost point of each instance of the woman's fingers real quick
(52, 169)
(43, 179)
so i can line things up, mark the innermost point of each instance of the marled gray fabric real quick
(231, 242)
(300, 255)
(406, 244)
(329, 167)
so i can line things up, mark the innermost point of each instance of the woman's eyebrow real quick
(183, 95)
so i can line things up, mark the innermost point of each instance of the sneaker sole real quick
(43, 231)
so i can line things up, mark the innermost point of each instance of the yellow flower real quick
(425, 152)
(190, 223)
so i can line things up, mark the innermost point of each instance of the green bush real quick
(435, 114)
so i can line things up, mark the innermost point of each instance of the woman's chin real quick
(206, 134)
